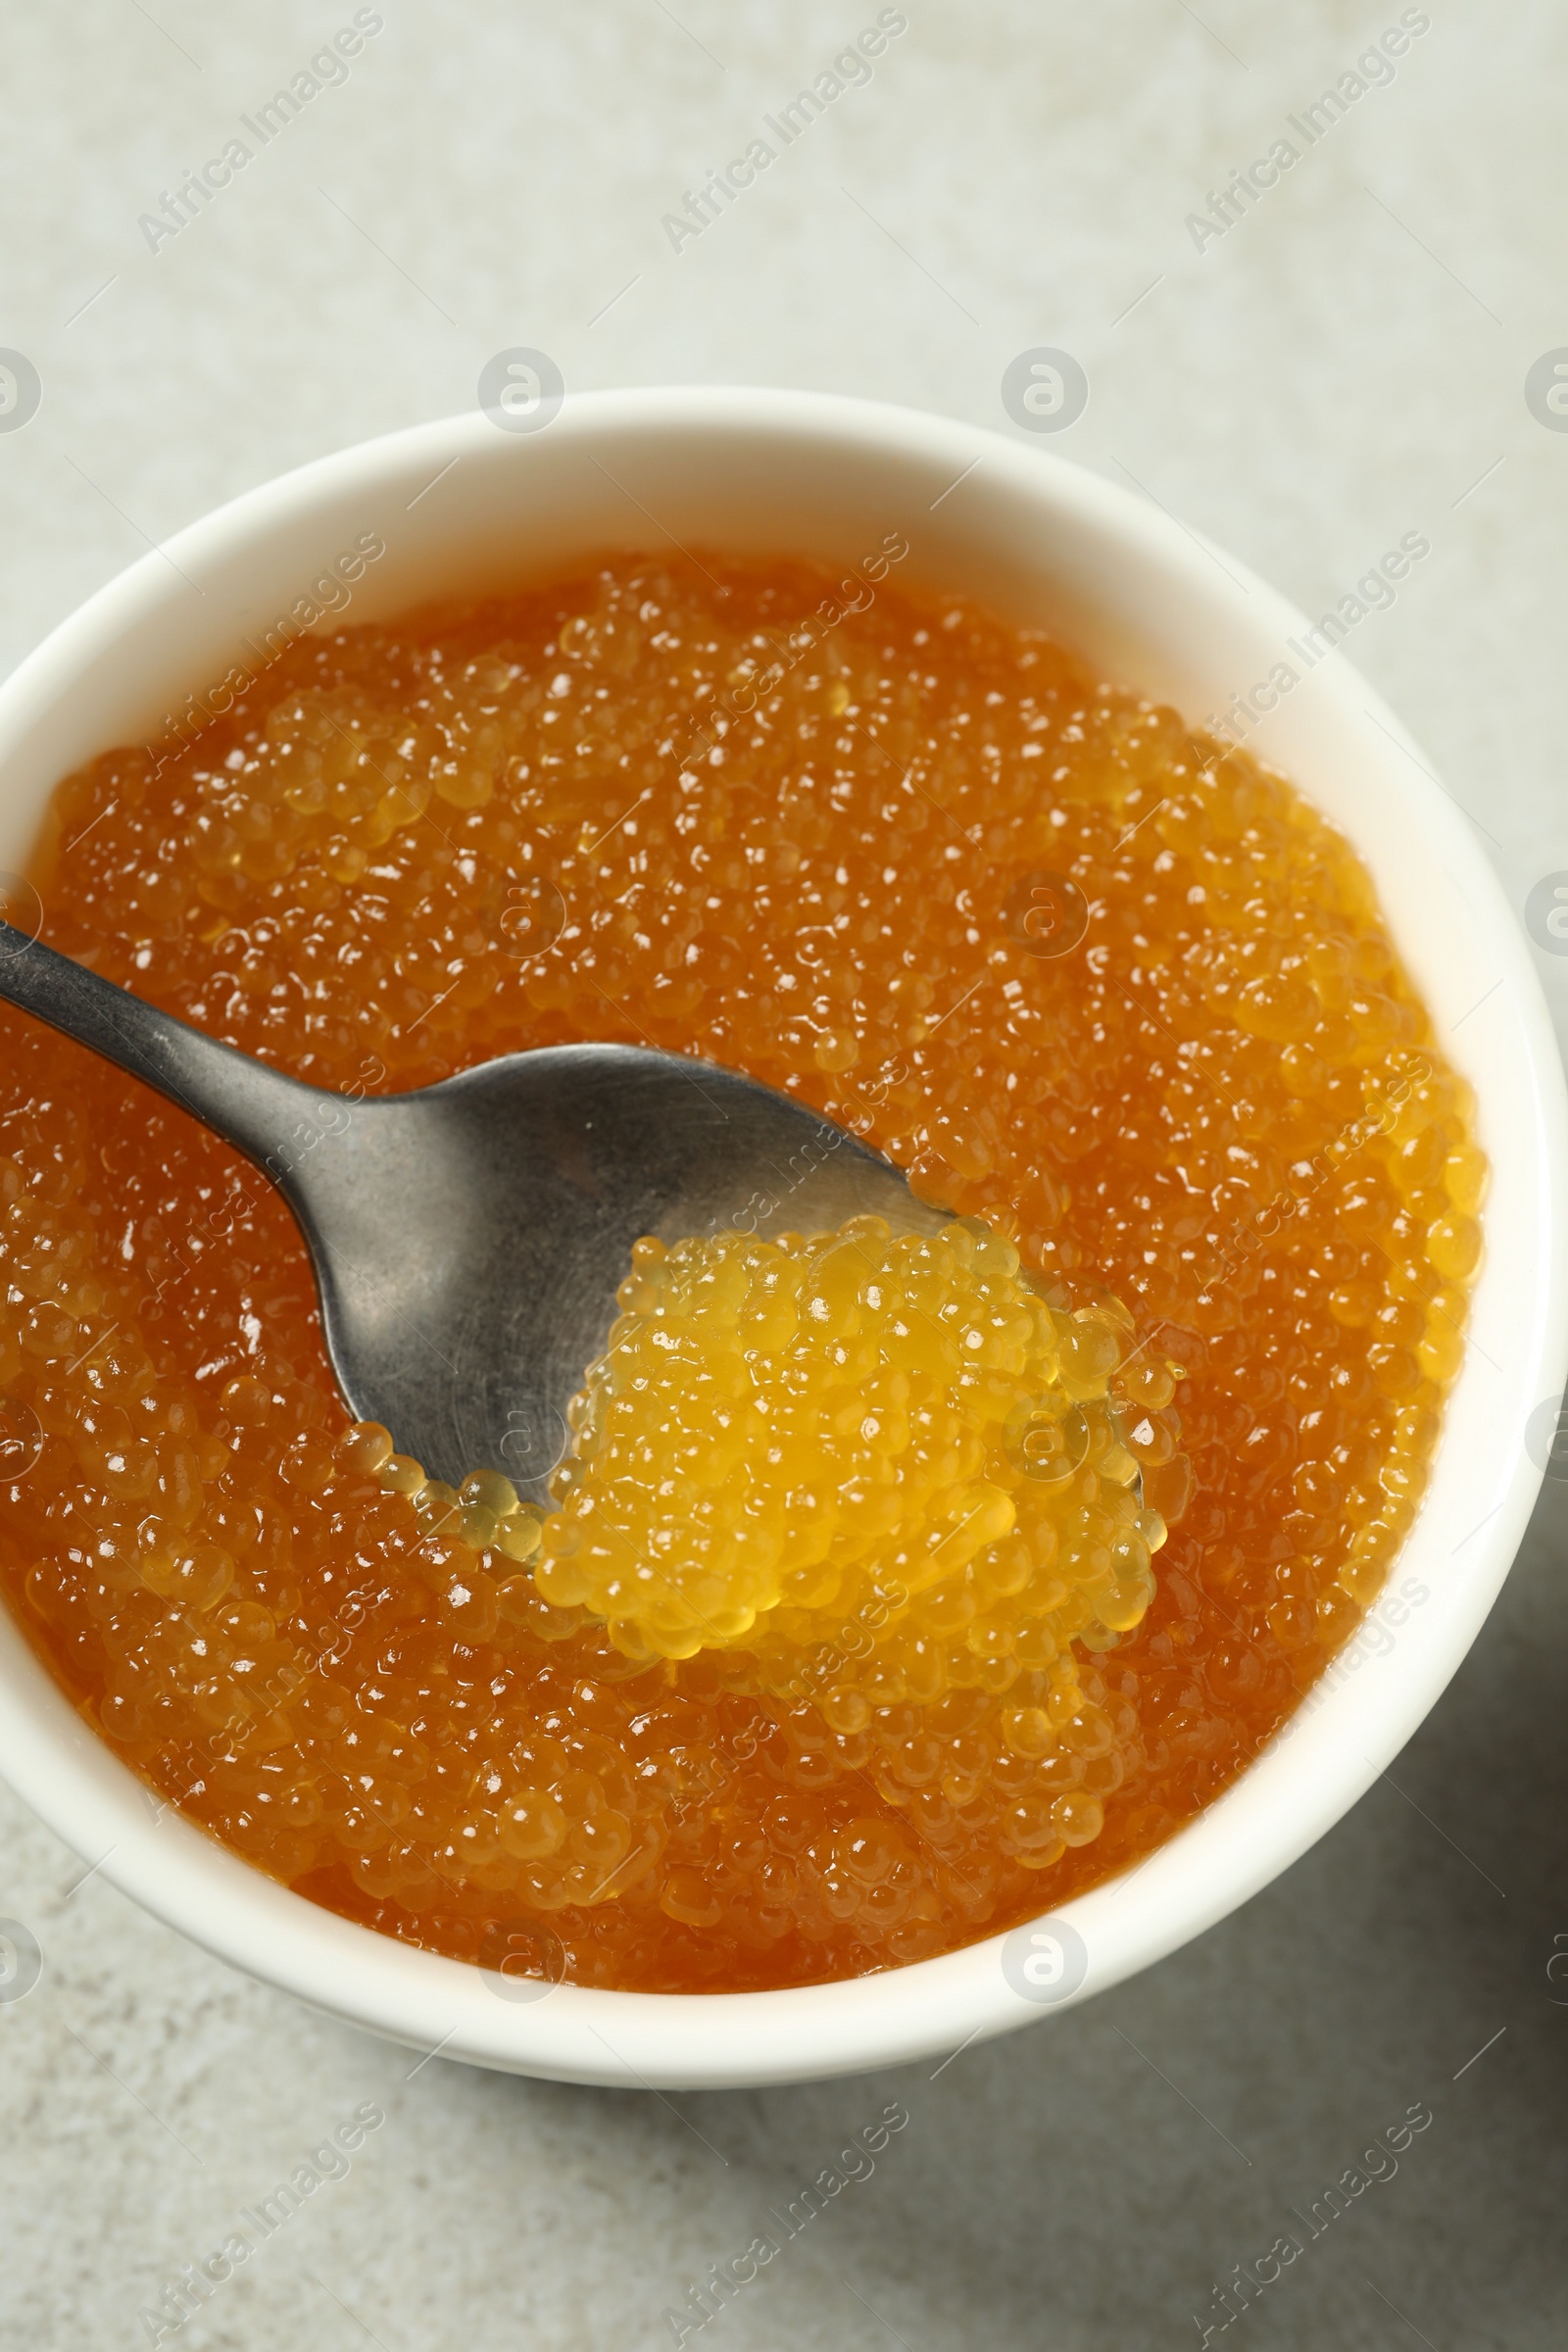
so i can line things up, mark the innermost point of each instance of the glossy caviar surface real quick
(784, 1439)
(1119, 996)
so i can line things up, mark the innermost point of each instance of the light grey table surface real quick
(1346, 363)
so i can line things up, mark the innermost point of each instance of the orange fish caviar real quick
(1113, 992)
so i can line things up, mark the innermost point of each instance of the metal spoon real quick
(469, 1238)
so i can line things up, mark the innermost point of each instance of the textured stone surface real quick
(1341, 368)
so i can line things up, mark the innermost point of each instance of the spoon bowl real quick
(469, 1238)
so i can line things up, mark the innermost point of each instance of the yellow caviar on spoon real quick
(882, 1465)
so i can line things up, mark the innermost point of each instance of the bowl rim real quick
(1292, 1792)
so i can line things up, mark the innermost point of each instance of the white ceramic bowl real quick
(462, 505)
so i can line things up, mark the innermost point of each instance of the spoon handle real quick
(256, 1109)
